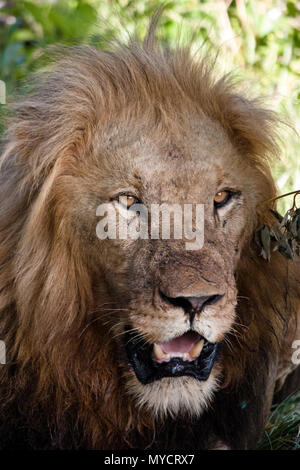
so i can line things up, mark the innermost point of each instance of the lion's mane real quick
(61, 386)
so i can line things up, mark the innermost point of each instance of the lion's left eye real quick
(222, 197)
(127, 200)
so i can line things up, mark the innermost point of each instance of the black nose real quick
(192, 305)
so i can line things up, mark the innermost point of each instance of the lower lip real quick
(148, 370)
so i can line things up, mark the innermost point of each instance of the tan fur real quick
(158, 124)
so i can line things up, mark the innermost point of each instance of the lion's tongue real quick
(182, 344)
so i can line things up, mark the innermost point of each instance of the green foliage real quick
(283, 429)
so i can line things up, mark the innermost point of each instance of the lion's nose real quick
(191, 305)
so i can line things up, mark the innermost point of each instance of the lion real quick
(139, 342)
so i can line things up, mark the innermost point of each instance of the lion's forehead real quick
(187, 147)
(193, 137)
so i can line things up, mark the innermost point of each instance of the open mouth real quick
(189, 354)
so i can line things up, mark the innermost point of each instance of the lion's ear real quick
(52, 280)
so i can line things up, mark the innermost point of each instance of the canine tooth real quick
(196, 350)
(158, 352)
(186, 356)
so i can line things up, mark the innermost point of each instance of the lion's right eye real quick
(127, 200)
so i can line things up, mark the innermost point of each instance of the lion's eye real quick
(127, 200)
(222, 197)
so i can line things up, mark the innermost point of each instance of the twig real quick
(279, 197)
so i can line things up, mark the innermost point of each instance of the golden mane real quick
(61, 374)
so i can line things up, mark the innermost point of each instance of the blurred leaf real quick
(285, 249)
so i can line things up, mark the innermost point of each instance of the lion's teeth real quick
(196, 350)
(158, 352)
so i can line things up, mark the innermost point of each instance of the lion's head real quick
(123, 324)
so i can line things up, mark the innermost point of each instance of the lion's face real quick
(123, 329)
(168, 308)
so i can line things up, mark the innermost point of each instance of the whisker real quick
(229, 344)
(124, 332)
